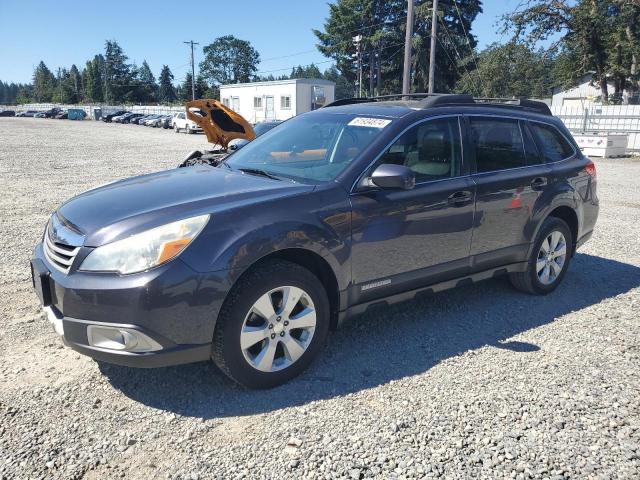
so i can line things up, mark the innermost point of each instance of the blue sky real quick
(63, 32)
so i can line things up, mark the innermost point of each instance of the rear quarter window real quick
(552, 143)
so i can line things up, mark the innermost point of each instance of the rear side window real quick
(554, 146)
(498, 144)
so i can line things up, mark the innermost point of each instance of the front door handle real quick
(538, 183)
(460, 198)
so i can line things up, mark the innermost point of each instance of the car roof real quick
(393, 109)
(400, 105)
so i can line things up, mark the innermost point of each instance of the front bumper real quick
(172, 305)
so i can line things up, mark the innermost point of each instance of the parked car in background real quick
(7, 113)
(62, 115)
(119, 118)
(109, 116)
(130, 118)
(40, 115)
(149, 122)
(166, 121)
(52, 112)
(27, 113)
(155, 121)
(139, 120)
(180, 123)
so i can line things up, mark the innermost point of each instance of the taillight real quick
(591, 169)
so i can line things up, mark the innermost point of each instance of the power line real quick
(453, 44)
(464, 30)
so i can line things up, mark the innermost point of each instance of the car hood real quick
(126, 207)
(220, 124)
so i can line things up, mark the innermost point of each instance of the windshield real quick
(311, 148)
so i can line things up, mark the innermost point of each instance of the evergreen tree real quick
(310, 71)
(44, 83)
(344, 88)
(147, 92)
(202, 89)
(167, 92)
(75, 84)
(382, 24)
(22, 93)
(118, 79)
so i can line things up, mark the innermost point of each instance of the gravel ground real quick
(481, 381)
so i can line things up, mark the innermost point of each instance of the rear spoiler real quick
(219, 122)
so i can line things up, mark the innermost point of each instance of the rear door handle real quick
(538, 182)
(460, 198)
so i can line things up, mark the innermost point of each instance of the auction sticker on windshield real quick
(369, 122)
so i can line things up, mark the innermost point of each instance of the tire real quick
(533, 280)
(252, 366)
(176, 129)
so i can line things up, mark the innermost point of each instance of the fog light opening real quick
(120, 339)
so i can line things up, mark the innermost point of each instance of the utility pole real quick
(432, 53)
(106, 84)
(357, 40)
(379, 72)
(406, 76)
(372, 59)
(193, 70)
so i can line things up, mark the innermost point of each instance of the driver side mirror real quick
(391, 176)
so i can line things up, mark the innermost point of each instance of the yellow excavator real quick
(221, 125)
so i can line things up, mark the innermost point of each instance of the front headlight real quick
(145, 250)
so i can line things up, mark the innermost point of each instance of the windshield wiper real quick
(257, 171)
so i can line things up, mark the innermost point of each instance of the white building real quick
(586, 93)
(277, 100)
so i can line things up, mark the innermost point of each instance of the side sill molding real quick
(436, 287)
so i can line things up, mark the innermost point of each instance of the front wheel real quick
(272, 325)
(549, 259)
(176, 129)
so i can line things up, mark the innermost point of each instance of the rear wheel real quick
(549, 259)
(272, 325)
(176, 129)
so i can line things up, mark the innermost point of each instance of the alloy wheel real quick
(278, 329)
(551, 257)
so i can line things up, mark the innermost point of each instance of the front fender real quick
(242, 237)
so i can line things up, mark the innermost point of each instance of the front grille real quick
(59, 255)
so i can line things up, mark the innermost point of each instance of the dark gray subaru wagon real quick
(250, 261)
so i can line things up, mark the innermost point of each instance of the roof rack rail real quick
(429, 100)
(348, 101)
(378, 98)
(533, 105)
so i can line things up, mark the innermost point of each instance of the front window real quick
(311, 148)
(432, 150)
